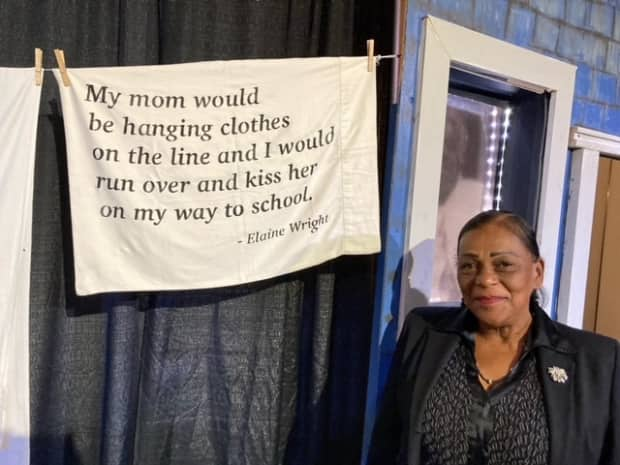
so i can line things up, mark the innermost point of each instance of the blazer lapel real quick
(559, 396)
(439, 348)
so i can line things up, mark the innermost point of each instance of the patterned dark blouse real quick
(465, 425)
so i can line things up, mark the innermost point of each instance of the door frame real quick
(587, 147)
(446, 45)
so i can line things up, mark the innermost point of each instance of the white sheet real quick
(19, 110)
(281, 173)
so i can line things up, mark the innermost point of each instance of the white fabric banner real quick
(19, 112)
(218, 173)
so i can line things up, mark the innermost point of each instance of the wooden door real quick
(602, 312)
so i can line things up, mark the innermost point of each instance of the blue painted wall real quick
(583, 32)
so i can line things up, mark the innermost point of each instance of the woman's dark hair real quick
(515, 224)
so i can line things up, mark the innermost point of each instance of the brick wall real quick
(583, 32)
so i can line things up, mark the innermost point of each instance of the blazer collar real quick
(545, 332)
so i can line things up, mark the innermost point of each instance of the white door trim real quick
(587, 145)
(447, 44)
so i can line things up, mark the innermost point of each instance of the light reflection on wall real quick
(472, 169)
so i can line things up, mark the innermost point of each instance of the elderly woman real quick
(496, 381)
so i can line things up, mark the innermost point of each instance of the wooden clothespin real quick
(60, 58)
(38, 66)
(370, 48)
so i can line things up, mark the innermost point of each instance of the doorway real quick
(601, 313)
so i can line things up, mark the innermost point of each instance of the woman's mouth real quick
(489, 300)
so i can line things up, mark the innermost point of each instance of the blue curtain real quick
(266, 373)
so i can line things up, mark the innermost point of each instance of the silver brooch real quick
(558, 374)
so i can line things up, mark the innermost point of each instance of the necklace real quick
(491, 382)
(488, 381)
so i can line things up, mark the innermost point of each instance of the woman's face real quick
(497, 275)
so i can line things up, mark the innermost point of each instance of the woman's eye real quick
(464, 267)
(503, 266)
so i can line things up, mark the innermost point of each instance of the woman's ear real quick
(539, 270)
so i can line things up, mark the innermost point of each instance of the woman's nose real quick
(486, 276)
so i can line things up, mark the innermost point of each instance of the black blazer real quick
(583, 413)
